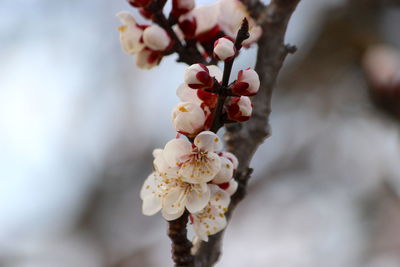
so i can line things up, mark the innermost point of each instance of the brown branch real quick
(244, 139)
(180, 244)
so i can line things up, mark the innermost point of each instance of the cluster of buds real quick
(193, 174)
(188, 26)
(199, 95)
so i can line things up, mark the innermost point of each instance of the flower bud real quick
(130, 34)
(139, 3)
(226, 172)
(187, 94)
(147, 59)
(233, 185)
(156, 38)
(247, 83)
(180, 7)
(231, 157)
(239, 108)
(188, 118)
(224, 49)
(197, 76)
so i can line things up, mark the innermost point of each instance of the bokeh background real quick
(78, 122)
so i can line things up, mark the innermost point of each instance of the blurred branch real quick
(244, 139)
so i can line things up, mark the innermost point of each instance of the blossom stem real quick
(242, 35)
(181, 246)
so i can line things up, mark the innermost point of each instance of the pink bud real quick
(197, 76)
(247, 83)
(239, 108)
(156, 38)
(146, 59)
(139, 3)
(188, 118)
(180, 7)
(224, 49)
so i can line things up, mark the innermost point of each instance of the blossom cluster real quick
(193, 173)
(198, 27)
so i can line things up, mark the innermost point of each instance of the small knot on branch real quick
(290, 49)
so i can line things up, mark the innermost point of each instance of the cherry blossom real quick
(224, 49)
(130, 33)
(188, 118)
(156, 38)
(226, 172)
(231, 15)
(212, 218)
(197, 76)
(247, 83)
(239, 108)
(198, 162)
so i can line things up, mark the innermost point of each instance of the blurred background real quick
(78, 123)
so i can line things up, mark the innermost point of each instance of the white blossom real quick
(130, 33)
(197, 76)
(212, 218)
(187, 94)
(188, 118)
(239, 108)
(225, 173)
(164, 190)
(156, 38)
(198, 163)
(231, 15)
(224, 49)
(247, 83)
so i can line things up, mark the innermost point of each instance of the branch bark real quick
(244, 139)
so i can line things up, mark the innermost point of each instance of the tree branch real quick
(244, 139)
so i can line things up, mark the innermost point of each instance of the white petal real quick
(185, 93)
(219, 197)
(175, 150)
(226, 172)
(156, 38)
(198, 199)
(174, 201)
(224, 49)
(245, 106)
(157, 152)
(163, 168)
(208, 141)
(172, 216)
(130, 34)
(216, 72)
(200, 169)
(233, 185)
(149, 186)
(151, 205)
(206, 17)
(188, 118)
(232, 158)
